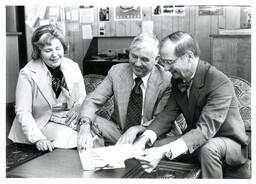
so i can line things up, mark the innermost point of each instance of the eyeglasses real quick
(168, 61)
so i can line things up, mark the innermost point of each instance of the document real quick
(87, 31)
(87, 15)
(109, 157)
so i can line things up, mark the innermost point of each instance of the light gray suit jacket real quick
(34, 99)
(119, 83)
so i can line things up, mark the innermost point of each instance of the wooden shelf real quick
(229, 35)
(13, 33)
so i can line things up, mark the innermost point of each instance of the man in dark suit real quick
(215, 131)
(154, 87)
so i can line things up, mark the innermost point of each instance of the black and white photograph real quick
(92, 93)
(104, 14)
(156, 10)
(168, 10)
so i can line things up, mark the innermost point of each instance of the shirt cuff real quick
(178, 147)
(151, 135)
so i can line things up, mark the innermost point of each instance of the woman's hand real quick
(72, 115)
(44, 145)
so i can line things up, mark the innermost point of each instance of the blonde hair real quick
(43, 35)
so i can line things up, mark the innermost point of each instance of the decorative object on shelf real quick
(245, 17)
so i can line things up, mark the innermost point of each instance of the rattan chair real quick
(91, 81)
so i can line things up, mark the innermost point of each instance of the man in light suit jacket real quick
(119, 83)
(206, 97)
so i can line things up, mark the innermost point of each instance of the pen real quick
(96, 169)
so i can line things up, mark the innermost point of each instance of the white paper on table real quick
(87, 31)
(86, 15)
(90, 161)
(147, 26)
(114, 156)
(118, 153)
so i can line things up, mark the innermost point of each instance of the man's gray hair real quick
(146, 40)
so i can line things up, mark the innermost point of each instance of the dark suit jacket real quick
(211, 110)
(119, 83)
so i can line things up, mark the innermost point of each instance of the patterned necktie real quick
(58, 80)
(134, 109)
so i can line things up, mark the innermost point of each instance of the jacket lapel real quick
(124, 87)
(198, 82)
(39, 75)
(152, 92)
(68, 76)
(182, 100)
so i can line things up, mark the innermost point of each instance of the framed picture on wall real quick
(104, 13)
(168, 10)
(157, 10)
(245, 17)
(127, 13)
(211, 10)
(179, 10)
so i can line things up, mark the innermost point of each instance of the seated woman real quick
(49, 93)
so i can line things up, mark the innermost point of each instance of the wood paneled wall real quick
(232, 55)
(199, 26)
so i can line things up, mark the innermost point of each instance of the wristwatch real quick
(168, 155)
(86, 121)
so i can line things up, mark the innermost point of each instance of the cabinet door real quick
(232, 55)
(12, 67)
